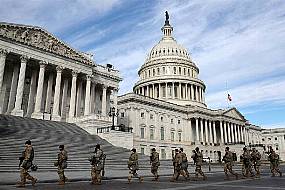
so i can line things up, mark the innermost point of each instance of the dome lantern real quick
(167, 29)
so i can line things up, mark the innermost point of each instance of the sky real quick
(239, 46)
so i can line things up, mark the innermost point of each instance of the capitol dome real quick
(169, 73)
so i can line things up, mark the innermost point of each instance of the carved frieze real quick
(39, 38)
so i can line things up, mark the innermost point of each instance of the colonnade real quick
(173, 90)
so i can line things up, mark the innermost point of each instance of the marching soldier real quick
(133, 166)
(154, 161)
(228, 159)
(97, 165)
(256, 156)
(61, 164)
(177, 163)
(184, 164)
(25, 163)
(246, 157)
(274, 163)
(198, 158)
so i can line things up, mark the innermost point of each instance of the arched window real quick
(172, 136)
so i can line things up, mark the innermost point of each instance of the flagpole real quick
(228, 102)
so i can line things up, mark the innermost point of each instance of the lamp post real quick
(113, 114)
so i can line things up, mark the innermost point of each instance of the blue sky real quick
(239, 46)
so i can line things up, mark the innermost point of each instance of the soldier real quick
(25, 163)
(184, 163)
(256, 161)
(246, 157)
(61, 164)
(177, 162)
(274, 163)
(97, 165)
(228, 159)
(198, 157)
(133, 166)
(154, 161)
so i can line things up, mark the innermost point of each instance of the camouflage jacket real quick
(62, 156)
(154, 158)
(228, 157)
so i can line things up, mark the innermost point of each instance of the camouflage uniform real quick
(198, 157)
(97, 166)
(133, 166)
(256, 161)
(154, 161)
(274, 163)
(247, 163)
(228, 159)
(184, 164)
(61, 165)
(177, 163)
(27, 156)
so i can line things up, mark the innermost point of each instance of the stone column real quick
(55, 111)
(202, 131)
(87, 96)
(78, 98)
(186, 91)
(64, 100)
(115, 96)
(13, 90)
(32, 94)
(226, 132)
(72, 96)
(173, 96)
(192, 92)
(242, 133)
(232, 132)
(3, 54)
(215, 133)
(196, 92)
(159, 91)
(147, 90)
(104, 100)
(49, 93)
(207, 131)
(153, 91)
(179, 90)
(166, 91)
(236, 133)
(92, 102)
(197, 130)
(20, 88)
(211, 132)
(221, 131)
(37, 112)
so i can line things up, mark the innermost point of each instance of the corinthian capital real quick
(24, 58)
(43, 64)
(3, 52)
(59, 69)
(74, 73)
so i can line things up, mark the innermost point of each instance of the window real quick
(188, 72)
(142, 133)
(163, 154)
(178, 121)
(157, 71)
(163, 91)
(122, 114)
(162, 133)
(175, 92)
(269, 139)
(163, 70)
(174, 70)
(184, 71)
(153, 72)
(142, 115)
(262, 139)
(171, 121)
(179, 137)
(172, 136)
(276, 138)
(151, 116)
(179, 70)
(148, 73)
(161, 118)
(151, 134)
(142, 150)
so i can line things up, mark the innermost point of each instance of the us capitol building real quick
(42, 77)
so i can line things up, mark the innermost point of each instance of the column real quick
(197, 130)
(147, 90)
(192, 92)
(221, 131)
(55, 111)
(72, 96)
(202, 131)
(115, 96)
(211, 132)
(153, 91)
(3, 55)
(226, 133)
(87, 96)
(242, 133)
(104, 100)
(20, 88)
(78, 98)
(203, 96)
(179, 90)
(159, 91)
(196, 93)
(215, 133)
(173, 90)
(49, 93)
(64, 99)
(32, 94)
(37, 112)
(166, 91)
(207, 131)
(12, 95)
(232, 132)
(236, 133)
(186, 91)
(92, 96)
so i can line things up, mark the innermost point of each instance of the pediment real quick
(234, 113)
(41, 39)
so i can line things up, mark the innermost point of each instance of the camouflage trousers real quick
(25, 175)
(248, 169)
(256, 168)
(178, 172)
(154, 170)
(198, 171)
(274, 168)
(229, 168)
(96, 175)
(60, 172)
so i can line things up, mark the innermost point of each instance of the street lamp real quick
(113, 114)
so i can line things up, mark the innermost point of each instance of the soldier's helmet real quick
(61, 147)
(244, 149)
(28, 142)
(176, 150)
(197, 149)
(227, 148)
(97, 146)
(134, 150)
(181, 149)
(153, 149)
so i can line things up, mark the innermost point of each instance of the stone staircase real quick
(46, 136)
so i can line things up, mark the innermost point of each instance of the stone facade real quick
(44, 78)
(167, 109)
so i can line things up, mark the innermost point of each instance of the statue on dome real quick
(166, 19)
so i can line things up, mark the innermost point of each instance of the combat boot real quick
(61, 182)
(34, 181)
(227, 177)
(129, 179)
(141, 179)
(20, 184)
(280, 174)
(204, 177)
